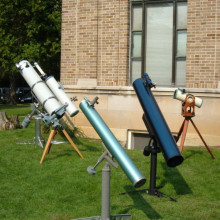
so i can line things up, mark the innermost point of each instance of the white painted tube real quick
(178, 94)
(58, 91)
(39, 87)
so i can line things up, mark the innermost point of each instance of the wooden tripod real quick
(188, 111)
(51, 136)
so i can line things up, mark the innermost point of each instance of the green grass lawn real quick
(62, 189)
(19, 109)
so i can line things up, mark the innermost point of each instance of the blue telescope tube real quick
(156, 121)
(112, 144)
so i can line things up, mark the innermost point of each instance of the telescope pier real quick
(106, 175)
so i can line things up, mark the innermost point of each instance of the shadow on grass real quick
(173, 176)
(69, 152)
(190, 153)
(140, 204)
(85, 145)
(90, 146)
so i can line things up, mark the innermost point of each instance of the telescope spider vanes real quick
(93, 102)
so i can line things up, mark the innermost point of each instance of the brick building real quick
(106, 45)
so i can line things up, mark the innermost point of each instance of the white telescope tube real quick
(57, 89)
(38, 86)
(180, 95)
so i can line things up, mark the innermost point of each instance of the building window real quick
(158, 41)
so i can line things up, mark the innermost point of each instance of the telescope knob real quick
(94, 101)
(91, 170)
(26, 122)
(147, 151)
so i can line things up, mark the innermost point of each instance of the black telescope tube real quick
(156, 121)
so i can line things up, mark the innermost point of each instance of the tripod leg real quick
(180, 131)
(186, 122)
(47, 147)
(71, 142)
(202, 139)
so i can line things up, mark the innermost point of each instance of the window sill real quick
(128, 90)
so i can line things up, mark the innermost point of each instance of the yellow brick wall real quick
(203, 44)
(95, 42)
(95, 36)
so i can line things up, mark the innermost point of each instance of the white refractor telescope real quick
(181, 94)
(46, 89)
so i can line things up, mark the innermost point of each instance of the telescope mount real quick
(188, 111)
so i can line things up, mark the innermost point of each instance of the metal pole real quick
(38, 134)
(153, 171)
(106, 192)
(106, 175)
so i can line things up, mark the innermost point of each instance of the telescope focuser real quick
(93, 102)
(20, 66)
(148, 82)
(74, 99)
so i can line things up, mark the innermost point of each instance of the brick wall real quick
(95, 41)
(95, 46)
(203, 44)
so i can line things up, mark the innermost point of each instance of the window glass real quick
(136, 52)
(161, 47)
(180, 72)
(136, 70)
(159, 36)
(181, 15)
(181, 43)
(137, 18)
